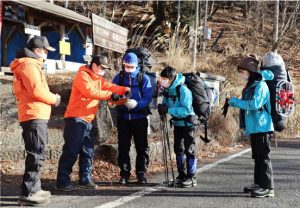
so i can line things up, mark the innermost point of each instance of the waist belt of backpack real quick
(179, 119)
(145, 111)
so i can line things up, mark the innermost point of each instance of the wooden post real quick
(62, 29)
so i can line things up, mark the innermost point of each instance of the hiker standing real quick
(180, 108)
(88, 88)
(34, 109)
(132, 118)
(255, 119)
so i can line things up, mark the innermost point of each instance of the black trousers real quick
(263, 172)
(137, 129)
(184, 147)
(34, 135)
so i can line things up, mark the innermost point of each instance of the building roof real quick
(56, 10)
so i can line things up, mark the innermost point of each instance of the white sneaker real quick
(43, 193)
(33, 200)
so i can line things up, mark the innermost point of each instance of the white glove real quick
(111, 105)
(58, 99)
(131, 103)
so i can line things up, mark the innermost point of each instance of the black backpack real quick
(201, 99)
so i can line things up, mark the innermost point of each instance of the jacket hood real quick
(266, 75)
(23, 56)
(89, 71)
(179, 80)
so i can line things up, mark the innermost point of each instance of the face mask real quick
(43, 55)
(245, 77)
(130, 70)
(99, 71)
(165, 83)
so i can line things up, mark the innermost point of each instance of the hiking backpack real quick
(145, 62)
(281, 92)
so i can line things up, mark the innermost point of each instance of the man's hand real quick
(58, 99)
(162, 109)
(131, 103)
(115, 97)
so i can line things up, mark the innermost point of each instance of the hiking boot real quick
(261, 192)
(124, 180)
(65, 188)
(251, 188)
(90, 185)
(33, 200)
(189, 182)
(142, 179)
(43, 193)
(179, 179)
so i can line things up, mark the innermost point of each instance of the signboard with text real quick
(109, 35)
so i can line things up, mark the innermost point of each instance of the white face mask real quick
(130, 70)
(43, 55)
(165, 83)
(101, 73)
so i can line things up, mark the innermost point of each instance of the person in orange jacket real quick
(88, 88)
(34, 108)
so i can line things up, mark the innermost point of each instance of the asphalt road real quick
(220, 184)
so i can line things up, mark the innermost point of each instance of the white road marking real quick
(139, 194)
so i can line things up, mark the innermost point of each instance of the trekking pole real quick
(169, 147)
(165, 158)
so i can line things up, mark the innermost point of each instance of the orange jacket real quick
(88, 88)
(31, 89)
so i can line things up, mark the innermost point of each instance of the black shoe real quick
(251, 188)
(260, 193)
(179, 179)
(65, 188)
(90, 186)
(142, 179)
(124, 180)
(189, 182)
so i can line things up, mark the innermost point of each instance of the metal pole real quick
(196, 32)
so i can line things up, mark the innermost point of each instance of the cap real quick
(249, 63)
(101, 60)
(39, 42)
(131, 59)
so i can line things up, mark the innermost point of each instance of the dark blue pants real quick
(79, 140)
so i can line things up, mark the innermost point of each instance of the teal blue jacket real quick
(179, 108)
(256, 105)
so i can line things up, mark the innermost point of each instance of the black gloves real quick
(115, 97)
(225, 107)
(127, 94)
(162, 109)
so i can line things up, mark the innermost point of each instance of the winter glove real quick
(131, 103)
(115, 97)
(58, 99)
(127, 94)
(162, 109)
(225, 107)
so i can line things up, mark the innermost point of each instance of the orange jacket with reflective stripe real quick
(31, 89)
(88, 88)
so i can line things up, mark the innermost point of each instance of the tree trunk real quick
(275, 23)
(196, 33)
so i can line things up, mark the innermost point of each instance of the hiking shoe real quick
(124, 180)
(43, 193)
(65, 188)
(142, 179)
(251, 188)
(33, 200)
(179, 179)
(90, 185)
(260, 193)
(189, 182)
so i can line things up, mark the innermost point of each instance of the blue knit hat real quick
(130, 58)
